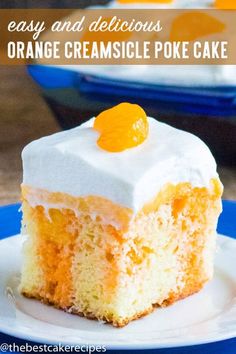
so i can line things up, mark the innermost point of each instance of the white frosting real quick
(71, 162)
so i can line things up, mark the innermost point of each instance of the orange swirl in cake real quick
(113, 234)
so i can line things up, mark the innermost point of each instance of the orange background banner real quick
(117, 37)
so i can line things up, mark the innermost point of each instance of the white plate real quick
(205, 317)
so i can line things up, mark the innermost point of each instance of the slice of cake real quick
(120, 214)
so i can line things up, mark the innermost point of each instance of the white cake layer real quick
(71, 162)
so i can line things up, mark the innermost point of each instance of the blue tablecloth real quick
(10, 217)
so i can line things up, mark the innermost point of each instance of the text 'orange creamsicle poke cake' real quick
(121, 216)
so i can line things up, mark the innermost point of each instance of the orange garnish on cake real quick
(225, 4)
(121, 127)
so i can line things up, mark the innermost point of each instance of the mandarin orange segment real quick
(193, 25)
(121, 127)
(225, 4)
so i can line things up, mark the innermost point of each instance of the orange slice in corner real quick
(193, 25)
(225, 4)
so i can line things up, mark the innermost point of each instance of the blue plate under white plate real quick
(206, 317)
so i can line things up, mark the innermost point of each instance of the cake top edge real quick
(73, 163)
